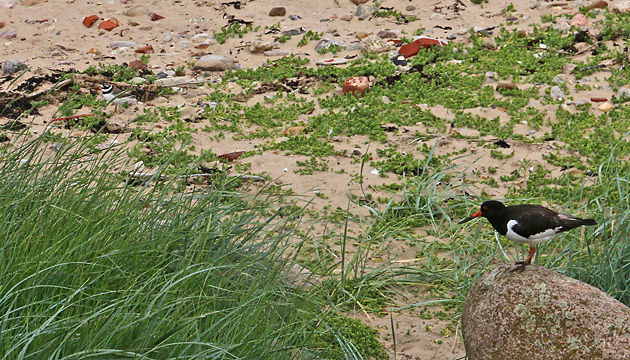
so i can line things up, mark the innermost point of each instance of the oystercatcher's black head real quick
(489, 209)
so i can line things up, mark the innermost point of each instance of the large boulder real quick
(540, 314)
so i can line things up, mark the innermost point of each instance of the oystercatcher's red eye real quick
(485, 208)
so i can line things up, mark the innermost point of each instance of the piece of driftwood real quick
(50, 88)
(148, 176)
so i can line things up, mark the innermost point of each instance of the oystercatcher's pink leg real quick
(522, 264)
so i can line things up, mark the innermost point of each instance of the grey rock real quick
(540, 314)
(410, 8)
(386, 34)
(121, 44)
(185, 44)
(623, 92)
(201, 37)
(274, 53)
(176, 81)
(568, 68)
(452, 37)
(559, 79)
(491, 77)
(622, 7)
(489, 43)
(376, 46)
(556, 93)
(167, 38)
(359, 45)
(137, 11)
(562, 26)
(294, 32)
(365, 11)
(295, 17)
(259, 46)
(325, 43)
(138, 80)
(215, 63)
(8, 34)
(13, 66)
(8, 4)
(161, 75)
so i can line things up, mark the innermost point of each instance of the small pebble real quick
(605, 106)
(386, 34)
(273, 53)
(556, 93)
(121, 44)
(278, 11)
(507, 85)
(13, 66)
(559, 79)
(579, 20)
(8, 34)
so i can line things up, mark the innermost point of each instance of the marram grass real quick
(91, 267)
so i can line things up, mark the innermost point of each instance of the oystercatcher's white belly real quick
(533, 239)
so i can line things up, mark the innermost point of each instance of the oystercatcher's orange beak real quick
(475, 215)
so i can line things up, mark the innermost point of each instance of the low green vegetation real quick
(95, 266)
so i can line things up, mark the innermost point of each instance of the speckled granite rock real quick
(540, 314)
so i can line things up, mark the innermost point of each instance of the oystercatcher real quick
(529, 224)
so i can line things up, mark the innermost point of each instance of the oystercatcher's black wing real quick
(535, 219)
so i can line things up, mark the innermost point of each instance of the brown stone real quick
(294, 130)
(113, 128)
(145, 50)
(386, 34)
(346, 17)
(356, 85)
(155, 17)
(28, 3)
(540, 314)
(598, 99)
(108, 24)
(409, 50)
(359, 2)
(231, 156)
(579, 20)
(137, 64)
(88, 21)
(278, 11)
(507, 85)
(600, 4)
